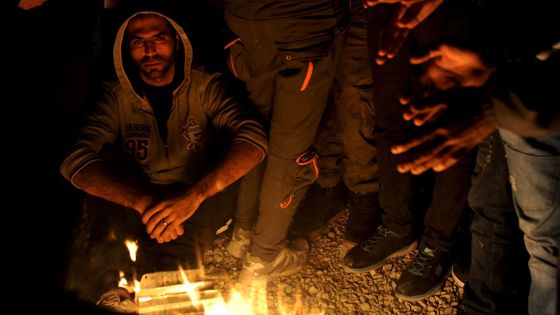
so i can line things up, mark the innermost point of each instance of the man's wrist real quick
(142, 202)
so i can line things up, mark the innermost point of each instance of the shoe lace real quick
(381, 234)
(421, 261)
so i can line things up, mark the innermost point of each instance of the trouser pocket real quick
(308, 172)
(237, 59)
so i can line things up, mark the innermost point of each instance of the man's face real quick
(152, 46)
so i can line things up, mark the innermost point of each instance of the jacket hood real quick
(118, 53)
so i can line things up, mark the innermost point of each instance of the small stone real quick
(365, 307)
(312, 290)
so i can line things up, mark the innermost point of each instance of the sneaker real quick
(383, 245)
(425, 276)
(118, 300)
(239, 243)
(364, 216)
(460, 274)
(290, 260)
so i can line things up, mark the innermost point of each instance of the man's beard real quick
(154, 73)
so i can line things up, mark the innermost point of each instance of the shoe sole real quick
(460, 283)
(422, 296)
(399, 253)
(251, 279)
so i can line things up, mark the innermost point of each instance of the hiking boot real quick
(364, 216)
(290, 260)
(239, 243)
(319, 207)
(460, 273)
(377, 249)
(425, 276)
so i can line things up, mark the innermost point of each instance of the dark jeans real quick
(288, 66)
(99, 251)
(499, 276)
(449, 192)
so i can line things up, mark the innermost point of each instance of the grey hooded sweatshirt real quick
(124, 117)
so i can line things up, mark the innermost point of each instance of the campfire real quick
(195, 292)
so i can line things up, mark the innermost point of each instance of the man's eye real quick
(137, 42)
(160, 38)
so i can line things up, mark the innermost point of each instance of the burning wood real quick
(177, 292)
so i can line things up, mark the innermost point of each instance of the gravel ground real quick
(324, 287)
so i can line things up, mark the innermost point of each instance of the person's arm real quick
(97, 180)
(408, 15)
(248, 149)
(165, 216)
(457, 74)
(30, 4)
(84, 166)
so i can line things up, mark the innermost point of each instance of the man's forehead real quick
(146, 23)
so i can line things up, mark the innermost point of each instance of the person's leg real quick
(188, 250)
(99, 252)
(498, 278)
(354, 108)
(259, 83)
(394, 237)
(300, 55)
(296, 116)
(534, 168)
(326, 197)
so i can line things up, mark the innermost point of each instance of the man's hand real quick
(30, 4)
(421, 115)
(163, 220)
(410, 13)
(450, 66)
(446, 145)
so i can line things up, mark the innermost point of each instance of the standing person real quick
(346, 147)
(448, 199)
(523, 59)
(165, 185)
(498, 278)
(286, 53)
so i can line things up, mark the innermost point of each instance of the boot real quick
(364, 215)
(319, 207)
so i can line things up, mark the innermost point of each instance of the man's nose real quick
(150, 48)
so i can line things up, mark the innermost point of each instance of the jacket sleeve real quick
(100, 128)
(524, 97)
(225, 111)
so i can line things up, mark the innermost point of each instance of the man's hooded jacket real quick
(124, 117)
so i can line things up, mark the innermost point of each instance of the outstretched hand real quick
(30, 4)
(444, 146)
(164, 219)
(450, 66)
(456, 73)
(410, 13)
